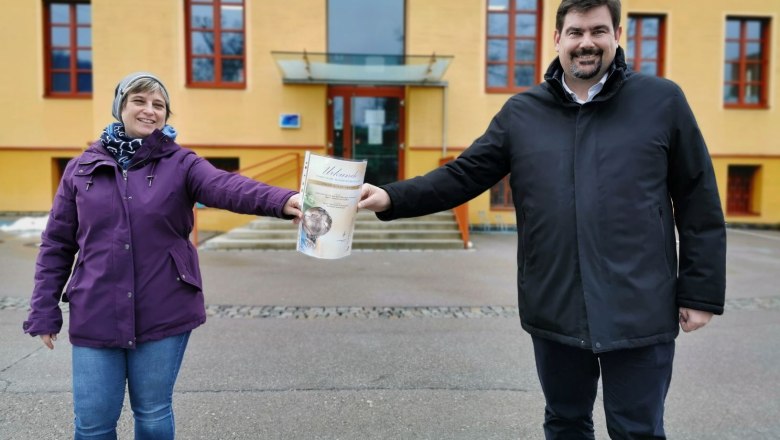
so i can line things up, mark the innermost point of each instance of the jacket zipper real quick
(663, 236)
(139, 164)
(525, 243)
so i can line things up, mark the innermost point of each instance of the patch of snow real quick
(26, 226)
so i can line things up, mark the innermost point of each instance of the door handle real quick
(401, 146)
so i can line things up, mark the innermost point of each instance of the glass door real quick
(367, 123)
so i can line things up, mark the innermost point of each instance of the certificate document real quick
(330, 191)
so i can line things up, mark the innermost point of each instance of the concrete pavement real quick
(395, 345)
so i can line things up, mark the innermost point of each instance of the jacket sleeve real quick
(220, 189)
(701, 282)
(476, 170)
(55, 260)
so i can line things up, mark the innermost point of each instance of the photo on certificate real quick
(330, 191)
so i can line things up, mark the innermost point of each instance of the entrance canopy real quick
(336, 68)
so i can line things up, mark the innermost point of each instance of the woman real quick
(124, 207)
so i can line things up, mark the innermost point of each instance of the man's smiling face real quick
(587, 44)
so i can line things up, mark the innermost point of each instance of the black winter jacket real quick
(598, 190)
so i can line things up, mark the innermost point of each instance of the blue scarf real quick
(123, 147)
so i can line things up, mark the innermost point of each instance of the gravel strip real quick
(458, 312)
(228, 311)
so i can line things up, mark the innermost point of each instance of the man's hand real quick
(48, 340)
(373, 198)
(293, 207)
(691, 319)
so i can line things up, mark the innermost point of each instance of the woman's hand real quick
(293, 207)
(48, 340)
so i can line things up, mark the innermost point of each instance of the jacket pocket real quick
(75, 276)
(186, 272)
(96, 194)
(659, 214)
(84, 175)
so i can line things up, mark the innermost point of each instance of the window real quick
(229, 164)
(743, 190)
(512, 53)
(501, 195)
(216, 50)
(746, 62)
(57, 170)
(68, 49)
(380, 25)
(645, 48)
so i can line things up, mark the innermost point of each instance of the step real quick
(378, 244)
(292, 234)
(284, 225)
(366, 219)
(435, 231)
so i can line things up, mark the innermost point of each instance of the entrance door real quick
(367, 123)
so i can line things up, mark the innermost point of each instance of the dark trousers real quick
(634, 384)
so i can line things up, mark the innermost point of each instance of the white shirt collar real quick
(592, 91)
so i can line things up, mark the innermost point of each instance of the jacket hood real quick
(155, 146)
(617, 74)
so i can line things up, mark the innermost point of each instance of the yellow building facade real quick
(422, 118)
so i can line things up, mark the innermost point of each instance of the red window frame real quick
(638, 38)
(511, 40)
(501, 195)
(743, 63)
(217, 56)
(73, 48)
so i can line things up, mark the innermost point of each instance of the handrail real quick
(461, 212)
(243, 170)
(293, 157)
(270, 178)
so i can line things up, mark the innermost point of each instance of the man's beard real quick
(577, 73)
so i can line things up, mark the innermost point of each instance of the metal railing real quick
(461, 212)
(275, 168)
(283, 160)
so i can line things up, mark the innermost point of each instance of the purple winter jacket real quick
(137, 276)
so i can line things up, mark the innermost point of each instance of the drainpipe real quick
(444, 121)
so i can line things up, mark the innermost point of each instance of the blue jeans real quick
(634, 382)
(99, 377)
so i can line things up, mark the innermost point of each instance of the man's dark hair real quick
(585, 5)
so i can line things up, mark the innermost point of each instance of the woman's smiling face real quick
(143, 113)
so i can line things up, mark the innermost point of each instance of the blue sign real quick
(290, 120)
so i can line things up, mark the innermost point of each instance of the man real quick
(604, 164)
